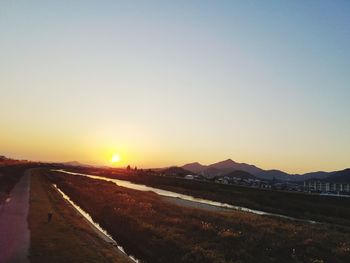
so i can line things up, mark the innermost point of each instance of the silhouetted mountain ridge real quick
(224, 167)
(338, 177)
(194, 167)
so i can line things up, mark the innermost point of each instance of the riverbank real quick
(191, 204)
(187, 200)
(68, 237)
(299, 206)
(156, 230)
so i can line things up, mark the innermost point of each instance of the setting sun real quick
(115, 158)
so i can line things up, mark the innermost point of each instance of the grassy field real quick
(304, 206)
(68, 237)
(156, 231)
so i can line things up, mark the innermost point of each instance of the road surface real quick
(14, 232)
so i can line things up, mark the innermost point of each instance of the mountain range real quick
(225, 167)
(229, 167)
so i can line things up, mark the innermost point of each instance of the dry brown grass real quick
(158, 231)
(68, 237)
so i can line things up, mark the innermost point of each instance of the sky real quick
(170, 82)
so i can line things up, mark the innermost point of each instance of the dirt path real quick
(14, 232)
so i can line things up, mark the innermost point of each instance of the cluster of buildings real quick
(310, 186)
(244, 182)
(315, 186)
(326, 187)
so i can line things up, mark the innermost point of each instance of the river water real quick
(162, 192)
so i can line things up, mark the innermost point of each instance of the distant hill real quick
(224, 167)
(339, 177)
(240, 174)
(78, 164)
(4, 158)
(276, 174)
(230, 165)
(74, 163)
(221, 168)
(212, 172)
(5, 161)
(176, 171)
(194, 167)
(227, 166)
(317, 175)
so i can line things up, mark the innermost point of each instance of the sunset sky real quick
(169, 82)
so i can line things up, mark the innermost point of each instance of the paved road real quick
(14, 232)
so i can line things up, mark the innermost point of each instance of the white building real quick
(326, 187)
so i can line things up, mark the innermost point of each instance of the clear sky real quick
(169, 82)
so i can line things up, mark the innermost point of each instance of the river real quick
(141, 187)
